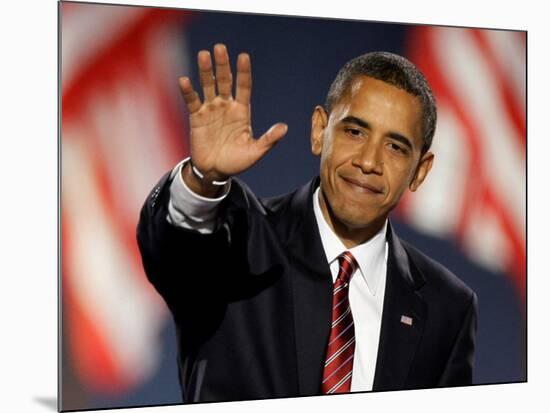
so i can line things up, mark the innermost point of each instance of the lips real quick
(363, 186)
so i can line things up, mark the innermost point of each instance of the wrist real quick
(209, 180)
(198, 183)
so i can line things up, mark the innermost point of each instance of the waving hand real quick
(221, 139)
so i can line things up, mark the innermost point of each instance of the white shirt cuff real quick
(189, 210)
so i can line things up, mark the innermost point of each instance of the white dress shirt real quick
(366, 292)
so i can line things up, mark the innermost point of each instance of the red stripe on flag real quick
(127, 50)
(128, 58)
(90, 355)
(516, 262)
(423, 54)
(510, 103)
(480, 191)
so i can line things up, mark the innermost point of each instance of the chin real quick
(353, 220)
(352, 214)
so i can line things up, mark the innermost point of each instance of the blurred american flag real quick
(476, 192)
(120, 133)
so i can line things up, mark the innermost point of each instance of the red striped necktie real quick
(341, 346)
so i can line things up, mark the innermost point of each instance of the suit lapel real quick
(403, 319)
(312, 291)
(312, 301)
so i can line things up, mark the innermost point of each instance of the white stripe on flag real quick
(436, 206)
(509, 50)
(87, 29)
(473, 83)
(102, 272)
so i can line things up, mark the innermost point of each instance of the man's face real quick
(370, 150)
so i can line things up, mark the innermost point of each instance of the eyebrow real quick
(364, 124)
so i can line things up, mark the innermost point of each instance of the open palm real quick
(221, 138)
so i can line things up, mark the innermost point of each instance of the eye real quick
(394, 147)
(353, 132)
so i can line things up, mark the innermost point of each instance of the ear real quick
(424, 167)
(319, 120)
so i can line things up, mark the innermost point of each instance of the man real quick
(312, 292)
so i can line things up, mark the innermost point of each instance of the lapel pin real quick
(406, 320)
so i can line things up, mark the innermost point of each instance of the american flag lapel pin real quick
(406, 320)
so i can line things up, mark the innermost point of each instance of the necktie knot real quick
(348, 265)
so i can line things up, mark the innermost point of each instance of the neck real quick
(350, 236)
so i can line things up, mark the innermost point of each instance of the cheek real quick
(327, 178)
(326, 150)
(327, 157)
(336, 152)
(399, 178)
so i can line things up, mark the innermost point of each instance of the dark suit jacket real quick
(252, 302)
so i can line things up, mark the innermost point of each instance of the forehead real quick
(381, 104)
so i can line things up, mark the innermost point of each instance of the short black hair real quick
(394, 70)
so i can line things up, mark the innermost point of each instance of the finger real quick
(191, 97)
(224, 79)
(206, 75)
(271, 137)
(244, 79)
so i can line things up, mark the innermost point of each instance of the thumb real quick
(271, 137)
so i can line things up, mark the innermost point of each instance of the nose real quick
(369, 158)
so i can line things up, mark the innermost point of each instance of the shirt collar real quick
(370, 256)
